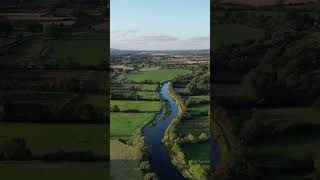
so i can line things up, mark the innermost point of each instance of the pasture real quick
(49, 138)
(125, 125)
(141, 106)
(84, 51)
(233, 33)
(159, 75)
(199, 152)
(123, 162)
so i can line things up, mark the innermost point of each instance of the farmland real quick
(135, 102)
(234, 33)
(160, 75)
(68, 137)
(125, 125)
(53, 90)
(272, 123)
(83, 51)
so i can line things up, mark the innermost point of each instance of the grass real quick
(285, 117)
(196, 125)
(159, 75)
(93, 99)
(123, 162)
(149, 87)
(233, 33)
(148, 95)
(143, 106)
(86, 51)
(48, 138)
(199, 110)
(28, 49)
(199, 99)
(198, 152)
(124, 125)
(52, 171)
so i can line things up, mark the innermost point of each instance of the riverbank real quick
(189, 169)
(160, 157)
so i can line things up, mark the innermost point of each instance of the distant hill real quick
(258, 3)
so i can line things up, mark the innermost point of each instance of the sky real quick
(160, 24)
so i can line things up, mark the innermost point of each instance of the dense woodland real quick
(266, 87)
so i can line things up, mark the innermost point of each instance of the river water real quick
(154, 132)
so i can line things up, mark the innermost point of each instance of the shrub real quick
(145, 166)
(150, 176)
(115, 108)
(15, 149)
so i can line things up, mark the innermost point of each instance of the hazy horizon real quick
(160, 25)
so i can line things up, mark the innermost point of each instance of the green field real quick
(49, 138)
(199, 110)
(199, 99)
(123, 162)
(124, 125)
(198, 152)
(148, 87)
(84, 51)
(93, 99)
(142, 106)
(53, 171)
(159, 75)
(233, 33)
(28, 49)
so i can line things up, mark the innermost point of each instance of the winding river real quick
(154, 132)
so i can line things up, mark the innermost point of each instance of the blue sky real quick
(160, 24)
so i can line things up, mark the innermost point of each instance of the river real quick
(154, 132)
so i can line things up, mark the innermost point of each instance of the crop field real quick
(199, 99)
(159, 75)
(199, 110)
(234, 33)
(49, 138)
(124, 125)
(85, 51)
(142, 106)
(198, 152)
(196, 125)
(53, 171)
(123, 162)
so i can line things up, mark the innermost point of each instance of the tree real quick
(15, 149)
(115, 108)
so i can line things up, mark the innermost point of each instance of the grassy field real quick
(49, 138)
(199, 99)
(233, 33)
(123, 162)
(28, 49)
(124, 125)
(53, 171)
(85, 51)
(199, 110)
(198, 152)
(159, 75)
(143, 106)
(93, 99)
